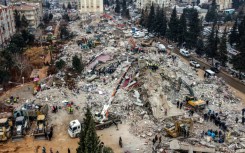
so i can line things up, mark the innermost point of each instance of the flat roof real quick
(75, 122)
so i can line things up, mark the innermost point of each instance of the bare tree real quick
(21, 63)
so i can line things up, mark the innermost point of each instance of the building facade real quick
(91, 6)
(7, 25)
(4, 2)
(224, 4)
(142, 4)
(32, 11)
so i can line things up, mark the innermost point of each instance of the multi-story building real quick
(91, 6)
(141, 4)
(7, 24)
(221, 4)
(32, 11)
(4, 2)
(72, 2)
(224, 4)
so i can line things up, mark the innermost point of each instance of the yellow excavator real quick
(41, 127)
(180, 126)
(5, 129)
(191, 99)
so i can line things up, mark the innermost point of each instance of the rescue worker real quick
(236, 119)
(156, 138)
(44, 150)
(71, 110)
(177, 104)
(160, 139)
(120, 142)
(115, 124)
(181, 104)
(15, 100)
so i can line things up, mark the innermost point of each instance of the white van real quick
(209, 73)
(184, 52)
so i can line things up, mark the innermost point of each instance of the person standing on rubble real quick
(156, 138)
(220, 103)
(236, 120)
(153, 141)
(115, 124)
(207, 102)
(243, 110)
(44, 150)
(56, 108)
(177, 104)
(243, 120)
(181, 104)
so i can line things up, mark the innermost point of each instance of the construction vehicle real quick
(179, 128)
(41, 127)
(103, 119)
(31, 113)
(74, 128)
(20, 128)
(191, 99)
(5, 129)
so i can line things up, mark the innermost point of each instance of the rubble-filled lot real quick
(119, 74)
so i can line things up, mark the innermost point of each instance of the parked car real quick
(194, 64)
(146, 37)
(170, 46)
(209, 73)
(184, 52)
(151, 35)
(214, 69)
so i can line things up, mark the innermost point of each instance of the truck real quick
(20, 128)
(31, 113)
(5, 129)
(41, 127)
(75, 126)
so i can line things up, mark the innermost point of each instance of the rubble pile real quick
(142, 88)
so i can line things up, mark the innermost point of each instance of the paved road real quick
(228, 79)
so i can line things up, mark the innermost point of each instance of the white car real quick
(146, 37)
(184, 52)
(170, 46)
(194, 64)
(151, 35)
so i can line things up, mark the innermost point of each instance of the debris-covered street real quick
(161, 102)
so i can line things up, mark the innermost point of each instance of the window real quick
(98, 6)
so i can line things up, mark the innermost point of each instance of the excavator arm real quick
(180, 82)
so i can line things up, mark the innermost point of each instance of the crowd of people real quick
(51, 150)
